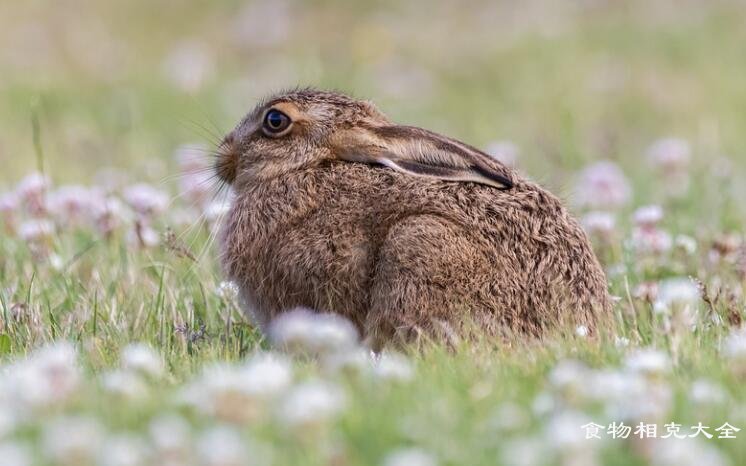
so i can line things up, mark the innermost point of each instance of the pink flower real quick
(603, 184)
(31, 191)
(145, 199)
(648, 216)
(670, 154)
(36, 230)
(8, 202)
(598, 223)
(108, 214)
(71, 203)
(8, 207)
(143, 236)
(651, 240)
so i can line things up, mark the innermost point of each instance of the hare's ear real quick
(419, 152)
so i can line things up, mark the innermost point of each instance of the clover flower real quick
(48, 376)
(304, 331)
(222, 446)
(603, 185)
(240, 393)
(72, 441)
(670, 154)
(310, 404)
(141, 358)
(411, 456)
(145, 199)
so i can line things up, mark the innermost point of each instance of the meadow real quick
(121, 344)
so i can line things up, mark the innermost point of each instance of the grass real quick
(568, 85)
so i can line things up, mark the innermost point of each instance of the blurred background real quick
(549, 86)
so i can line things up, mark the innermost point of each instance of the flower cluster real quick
(36, 211)
(264, 389)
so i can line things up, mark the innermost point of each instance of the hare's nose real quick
(226, 162)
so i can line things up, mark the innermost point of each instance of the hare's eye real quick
(275, 122)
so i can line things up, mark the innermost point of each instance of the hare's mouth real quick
(226, 163)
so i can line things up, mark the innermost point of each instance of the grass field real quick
(122, 345)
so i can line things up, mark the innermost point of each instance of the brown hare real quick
(401, 230)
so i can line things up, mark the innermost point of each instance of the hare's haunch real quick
(400, 229)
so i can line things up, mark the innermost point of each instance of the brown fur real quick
(396, 251)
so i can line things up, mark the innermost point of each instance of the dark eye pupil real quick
(275, 119)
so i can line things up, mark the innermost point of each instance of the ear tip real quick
(502, 182)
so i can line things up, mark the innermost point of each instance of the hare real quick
(403, 231)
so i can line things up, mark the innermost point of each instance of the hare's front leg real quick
(425, 280)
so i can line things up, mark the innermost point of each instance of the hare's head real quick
(309, 128)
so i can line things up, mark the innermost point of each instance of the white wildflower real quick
(733, 348)
(563, 431)
(304, 331)
(72, 441)
(222, 446)
(228, 290)
(680, 296)
(692, 452)
(612, 385)
(9, 417)
(581, 331)
(123, 450)
(526, 451)
(240, 393)
(648, 216)
(543, 404)
(269, 373)
(357, 361)
(393, 366)
(141, 358)
(15, 454)
(569, 376)
(171, 437)
(678, 291)
(603, 184)
(686, 244)
(707, 392)
(410, 456)
(509, 417)
(36, 230)
(599, 223)
(649, 362)
(621, 342)
(311, 403)
(50, 375)
(124, 383)
(651, 240)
